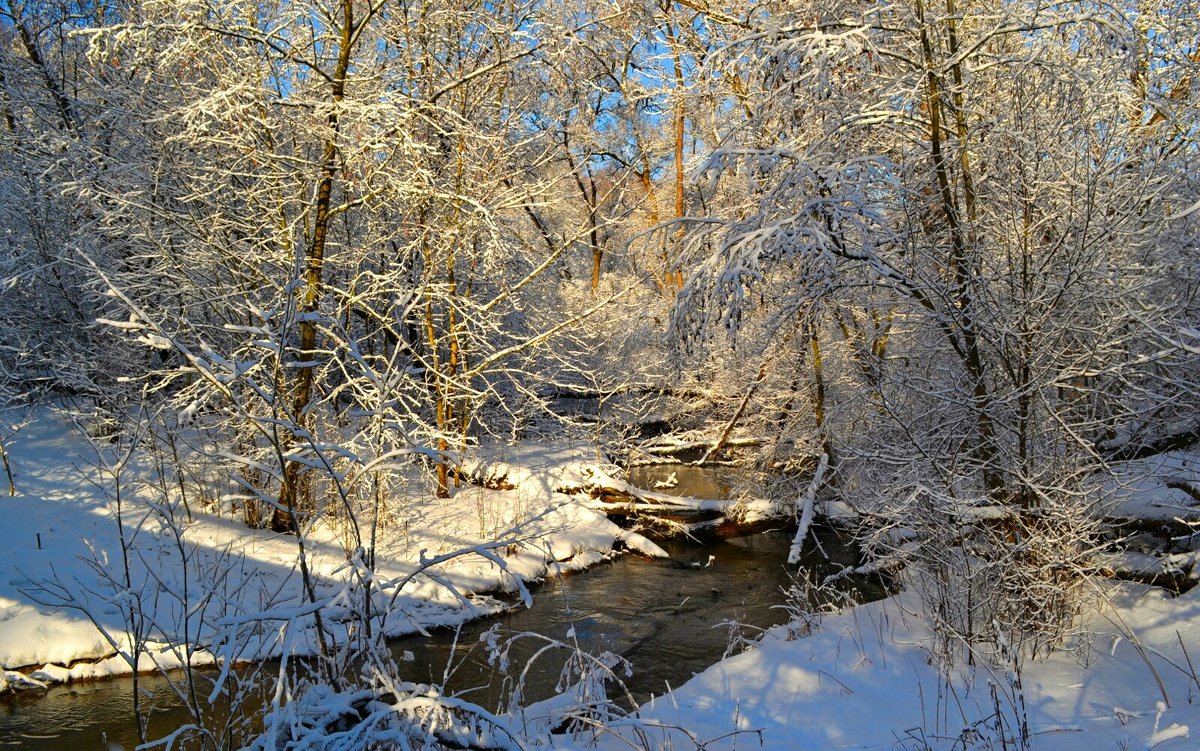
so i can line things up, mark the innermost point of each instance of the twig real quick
(845, 688)
(1188, 658)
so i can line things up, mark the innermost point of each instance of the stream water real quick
(665, 617)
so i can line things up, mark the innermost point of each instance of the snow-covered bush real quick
(989, 574)
(392, 714)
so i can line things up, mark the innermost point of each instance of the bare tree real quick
(974, 232)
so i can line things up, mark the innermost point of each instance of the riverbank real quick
(1127, 679)
(665, 618)
(865, 679)
(71, 576)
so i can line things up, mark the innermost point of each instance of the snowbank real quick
(59, 544)
(864, 680)
(1164, 486)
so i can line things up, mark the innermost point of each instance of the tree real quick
(49, 137)
(329, 211)
(953, 196)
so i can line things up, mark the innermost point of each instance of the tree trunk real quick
(12, 486)
(675, 278)
(293, 491)
(962, 259)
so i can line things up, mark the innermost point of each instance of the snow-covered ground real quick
(864, 679)
(1165, 486)
(1160, 496)
(59, 541)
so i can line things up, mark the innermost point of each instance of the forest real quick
(930, 264)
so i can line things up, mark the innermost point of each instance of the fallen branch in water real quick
(807, 502)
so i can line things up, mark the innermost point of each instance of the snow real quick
(538, 467)
(1147, 565)
(641, 544)
(1143, 488)
(864, 678)
(59, 531)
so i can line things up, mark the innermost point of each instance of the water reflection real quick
(706, 481)
(669, 621)
(666, 620)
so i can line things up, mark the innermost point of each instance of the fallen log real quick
(674, 515)
(665, 512)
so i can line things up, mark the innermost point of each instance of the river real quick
(665, 617)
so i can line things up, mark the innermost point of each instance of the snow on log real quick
(806, 503)
(548, 469)
(641, 544)
(1191, 487)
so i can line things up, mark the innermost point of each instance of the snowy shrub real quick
(392, 715)
(990, 575)
(808, 599)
